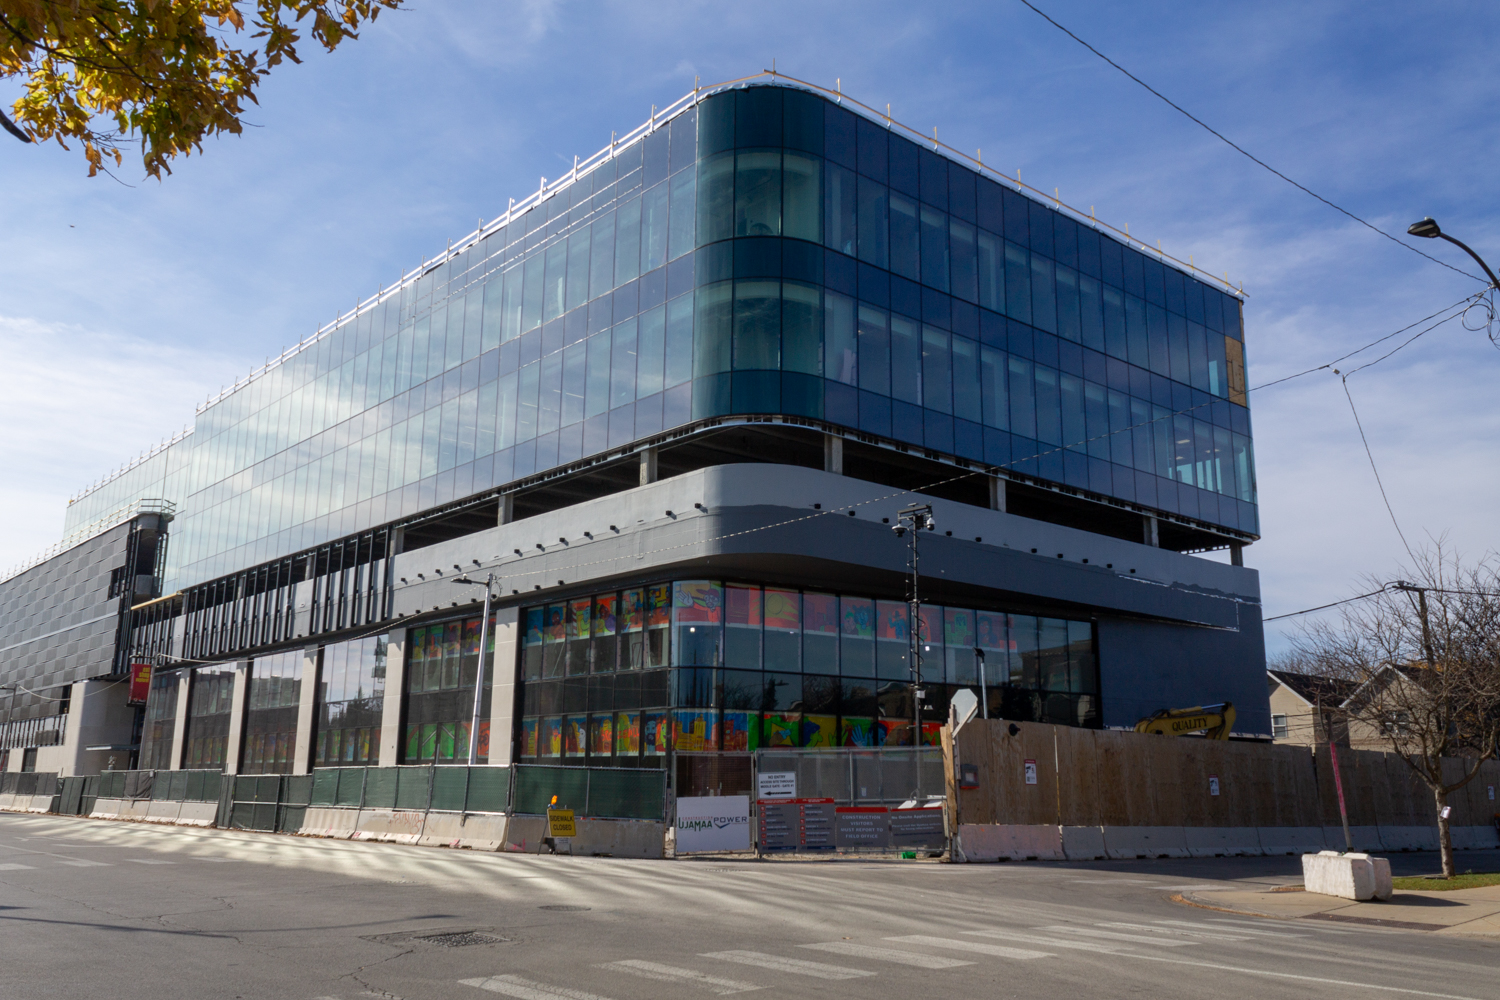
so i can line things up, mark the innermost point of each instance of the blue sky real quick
(121, 307)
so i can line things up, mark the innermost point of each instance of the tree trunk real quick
(1445, 835)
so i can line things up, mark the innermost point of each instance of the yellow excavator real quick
(1214, 721)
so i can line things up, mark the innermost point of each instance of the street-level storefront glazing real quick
(702, 665)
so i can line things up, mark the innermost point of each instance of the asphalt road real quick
(117, 910)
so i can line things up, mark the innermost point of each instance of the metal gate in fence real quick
(850, 799)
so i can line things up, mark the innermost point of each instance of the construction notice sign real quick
(140, 683)
(796, 824)
(560, 823)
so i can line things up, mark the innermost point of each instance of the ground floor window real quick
(351, 696)
(755, 666)
(442, 663)
(271, 701)
(210, 697)
(160, 723)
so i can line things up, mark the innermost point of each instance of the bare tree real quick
(1425, 655)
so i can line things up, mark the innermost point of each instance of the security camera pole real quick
(915, 519)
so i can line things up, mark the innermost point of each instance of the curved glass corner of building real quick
(847, 274)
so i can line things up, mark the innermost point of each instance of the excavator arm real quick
(1214, 721)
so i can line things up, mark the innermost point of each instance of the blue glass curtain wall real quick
(950, 312)
(765, 252)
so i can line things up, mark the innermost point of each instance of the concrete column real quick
(833, 454)
(395, 686)
(237, 717)
(997, 494)
(179, 721)
(507, 508)
(305, 707)
(1149, 530)
(1236, 553)
(73, 733)
(648, 466)
(503, 691)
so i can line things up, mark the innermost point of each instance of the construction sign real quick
(560, 823)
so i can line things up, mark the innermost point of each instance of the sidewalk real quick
(1473, 912)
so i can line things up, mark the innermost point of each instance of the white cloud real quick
(77, 404)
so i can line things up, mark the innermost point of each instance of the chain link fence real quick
(860, 777)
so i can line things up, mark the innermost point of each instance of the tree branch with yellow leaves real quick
(164, 72)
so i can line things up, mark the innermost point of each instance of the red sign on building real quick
(140, 683)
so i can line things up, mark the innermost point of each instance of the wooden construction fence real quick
(1088, 777)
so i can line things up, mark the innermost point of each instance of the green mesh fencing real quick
(351, 788)
(489, 789)
(325, 786)
(380, 788)
(620, 793)
(536, 784)
(413, 787)
(112, 784)
(450, 786)
(296, 790)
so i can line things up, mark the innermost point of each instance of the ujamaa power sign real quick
(713, 823)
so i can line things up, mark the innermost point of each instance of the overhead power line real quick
(1241, 150)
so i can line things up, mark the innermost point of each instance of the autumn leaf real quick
(168, 73)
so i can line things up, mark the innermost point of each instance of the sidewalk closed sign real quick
(560, 823)
(713, 823)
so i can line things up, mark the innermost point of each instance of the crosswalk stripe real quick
(144, 861)
(801, 967)
(17, 868)
(1048, 942)
(1153, 928)
(1091, 932)
(672, 974)
(525, 989)
(1238, 929)
(983, 949)
(854, 950)
(86, 864)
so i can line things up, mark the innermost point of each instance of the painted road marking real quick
(983, 949)
(143, 861)
(854, 950)
(526, 989)
(1236, 928)
(672, 974)
(1115, 936)
(1153, 928)
(86, 864)
(17, 868)
(1015, 936)
(817, 970)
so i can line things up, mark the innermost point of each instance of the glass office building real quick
(765, 274)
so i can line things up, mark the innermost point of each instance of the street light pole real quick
(484, 636)
(1428, 229)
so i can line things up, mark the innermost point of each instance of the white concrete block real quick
(1409, 838)
(1083, 843)
(1231, 841)
(1015, 842)
(1292, 839)
(1131, 842)
(1348, 876)
(1470, 838)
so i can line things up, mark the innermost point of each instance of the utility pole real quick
(915, 519)
(1421, 593)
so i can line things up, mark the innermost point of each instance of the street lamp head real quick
(462, 579)
(1426, 228)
